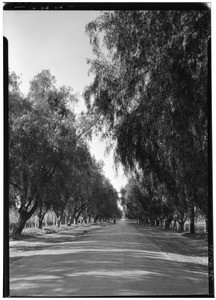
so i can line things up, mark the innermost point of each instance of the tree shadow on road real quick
(102, 264)
(59, 274)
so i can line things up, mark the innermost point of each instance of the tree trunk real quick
(58, 221)
(175, 224)
(73, 216)
(76, 219)
(152, 221)
(40, 224)
(206, 223)
(168, 222)
(95, 219)
(62, 216)
(77, 216)
(161, 222)
(41, 217)
(192, 217)
(24, 216)
(181, 224)
(71, 221)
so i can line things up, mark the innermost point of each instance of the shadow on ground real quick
(106, 263)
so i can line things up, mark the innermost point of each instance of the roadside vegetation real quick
(149, 99)
(51, 167)
(151, 89)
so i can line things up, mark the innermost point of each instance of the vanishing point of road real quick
(116, 260)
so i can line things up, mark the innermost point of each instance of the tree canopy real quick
(151, 88)
(51, 166)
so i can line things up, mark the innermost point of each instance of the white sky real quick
(55, 40)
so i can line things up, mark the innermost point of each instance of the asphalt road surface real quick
(116, 260)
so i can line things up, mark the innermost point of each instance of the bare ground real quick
(34, 239)
(182, 247)
(121, 259)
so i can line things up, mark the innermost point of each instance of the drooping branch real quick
(88, 128)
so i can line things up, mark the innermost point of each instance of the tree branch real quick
(86, 130)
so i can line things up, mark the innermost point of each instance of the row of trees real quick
(151, 89)
(151, 207)
(50, 165)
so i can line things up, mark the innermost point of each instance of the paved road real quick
(116, 260)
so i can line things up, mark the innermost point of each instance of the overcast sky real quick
(55, 40)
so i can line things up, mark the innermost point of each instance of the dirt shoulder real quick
(34, 239)
(182, 247)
